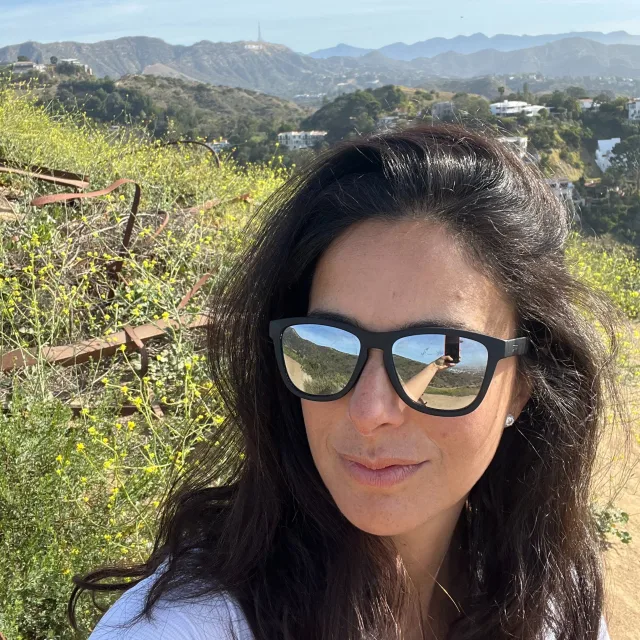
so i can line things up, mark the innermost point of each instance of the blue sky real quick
(305, 26)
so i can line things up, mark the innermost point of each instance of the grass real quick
(77, 491)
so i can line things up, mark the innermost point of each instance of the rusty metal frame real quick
(55, 176)
(133, 338)
(96, 348)
(116, 266)
(202, 144)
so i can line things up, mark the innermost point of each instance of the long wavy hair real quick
(263, 527)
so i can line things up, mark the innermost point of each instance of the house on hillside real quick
(633, 107)
(517, 143)
(588, 104)
(562, 188)
(597, 193)
(604, 153)
(308, 98)
(300, 139)
(76, 63)
(440, 110)
(26, 66)
(386, 122)
(514, 108)
(219, 145)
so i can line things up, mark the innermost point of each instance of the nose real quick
(373, 402)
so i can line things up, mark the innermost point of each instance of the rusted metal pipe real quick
(55, 176)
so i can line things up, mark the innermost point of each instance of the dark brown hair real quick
(265, 529)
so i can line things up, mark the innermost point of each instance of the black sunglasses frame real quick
(497, 349)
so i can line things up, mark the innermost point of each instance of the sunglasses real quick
(436, 370)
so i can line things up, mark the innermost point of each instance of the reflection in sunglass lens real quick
(455, 377)
(319, 359)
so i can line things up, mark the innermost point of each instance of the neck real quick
(434, 564)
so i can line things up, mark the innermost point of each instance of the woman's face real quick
(384, 275)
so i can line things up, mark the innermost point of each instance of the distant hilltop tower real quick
(256, 47)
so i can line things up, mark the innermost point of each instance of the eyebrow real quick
(325, 314)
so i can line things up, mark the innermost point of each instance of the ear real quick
(522, 394)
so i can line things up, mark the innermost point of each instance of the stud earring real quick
(509, 421)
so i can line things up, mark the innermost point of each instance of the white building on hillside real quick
(633, 107)
(308, 98)
(300, 139)
(441, 110)
(604, 153)
(219, 145)
(562, 187)
(76, 63)
(588, 103)
(26, 66)
(514, 108)
(518, 144)
(386, 122)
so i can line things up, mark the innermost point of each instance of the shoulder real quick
(216, 617)
(603, 633)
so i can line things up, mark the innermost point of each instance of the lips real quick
(384, 477)
(382, 463)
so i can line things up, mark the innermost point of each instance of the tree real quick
(627, 158)
(571, 137)
(53, 60)
(355, 110)
(473, 106)
(23, 59)
(576, 92)
(501, 91)
(66, 68)
(543, 138)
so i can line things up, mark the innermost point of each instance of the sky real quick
(305, 26)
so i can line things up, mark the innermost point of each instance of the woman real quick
(389, 490)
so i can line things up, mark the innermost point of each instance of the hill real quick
(176, 108)
(225, 105)
(571, 57)
(473, 43)
(272, 68)
(277, 70)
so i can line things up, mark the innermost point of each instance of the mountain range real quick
(472, 44)
(277, 70)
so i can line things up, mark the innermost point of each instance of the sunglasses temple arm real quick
(516, 347)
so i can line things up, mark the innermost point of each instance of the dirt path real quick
(622, 561)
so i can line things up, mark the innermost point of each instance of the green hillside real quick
(176, 108)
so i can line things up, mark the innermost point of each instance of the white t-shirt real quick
(207, 618)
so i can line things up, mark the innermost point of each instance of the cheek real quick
(462, 449)
(468, 443)
(318, 418)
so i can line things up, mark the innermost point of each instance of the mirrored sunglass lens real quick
(319, 359)
(450, 382)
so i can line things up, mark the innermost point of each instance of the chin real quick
(378, 529)
(377, 524)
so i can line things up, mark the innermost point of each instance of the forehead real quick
(387, 274)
